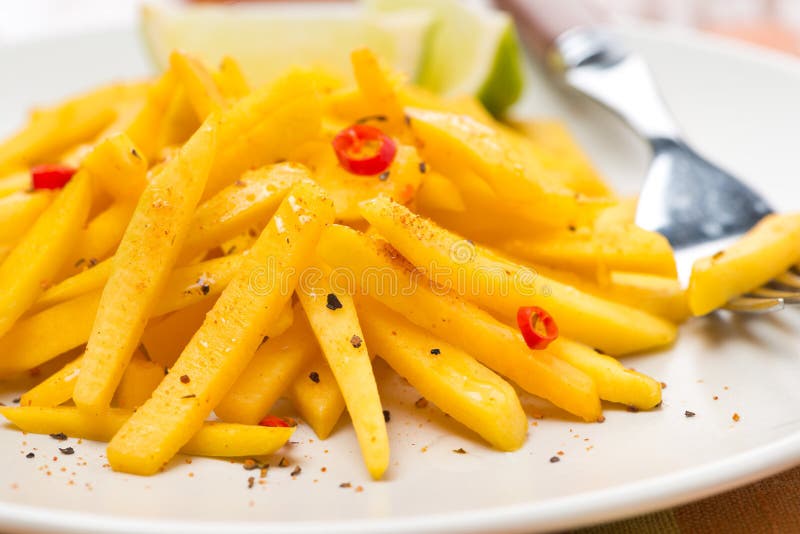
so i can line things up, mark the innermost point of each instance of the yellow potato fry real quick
(504, 287)
(211, 439)
(614, 382)
(41, 337)
(336, 327)
(37, 257)
(384, 275)
(265, 127)
(52, 131)
(224, 345)
(94, 277)
(180, 120)
(147, 253)
(249, 202)
(448, 377)
(764, 252)
(198, 83)
(379, 87)
(166, 338)
(118, 167)
(140, 379)
(15, 182)
(400, 181)
(317, 397)
(565, 157)
(100, 238)
(145, 127)
(439, 193)
(454, 144)
(657, 295)
(231, 80)
(273, 368)
(587, 251)
(55, 389)
(18, 212)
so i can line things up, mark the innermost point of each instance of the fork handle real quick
(540, 22)
(566, 35)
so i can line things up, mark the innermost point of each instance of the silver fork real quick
(699, 207)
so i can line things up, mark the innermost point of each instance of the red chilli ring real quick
(537, 326)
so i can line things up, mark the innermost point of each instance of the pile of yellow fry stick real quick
(211, 255)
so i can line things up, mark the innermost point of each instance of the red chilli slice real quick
(538, 327)
(51, 176)
(364, 150)
(274, 421)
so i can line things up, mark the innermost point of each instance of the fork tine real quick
(789, 279)
(773, 293)
(755, 305)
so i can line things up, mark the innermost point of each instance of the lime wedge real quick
(471, 50)
(269, 39)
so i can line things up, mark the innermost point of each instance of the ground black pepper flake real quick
(283, 462)
(250, 482)
(436, 352)
(60, 436)
(296, 471)
(554, 459)
(423, 168)
(663, 385)
(460, 450)
(30, 455)
(204, 287)
(15, 400)
(383, 176)
(264, 340)
(185, 379)
(687, 413)
(67, 450)
(190, 396)
(718, 255)
(356, 341)
(135, 154)
(314, 377)
(92, 262)
(377, 118)
(333, 302)
(422, 402)
(632, 409)
(80, 262)
(345, 485)
(387, 416)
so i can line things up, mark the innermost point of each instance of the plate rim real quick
(578, 510)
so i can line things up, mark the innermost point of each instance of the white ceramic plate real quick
(739, 105)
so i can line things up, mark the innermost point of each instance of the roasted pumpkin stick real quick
(333, 318)
(212, 439)
(447, 376)
(37, 257)
(504, 287)
(42, 336)
(146, 255)
(221, 349)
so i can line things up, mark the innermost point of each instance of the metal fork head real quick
(692, 201)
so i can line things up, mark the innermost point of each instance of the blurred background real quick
(771, 23)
